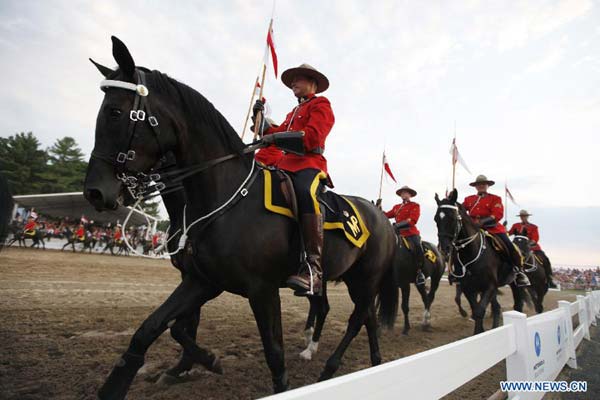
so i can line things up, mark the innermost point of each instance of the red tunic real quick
(80, 232)
(409, 211)
(117, 235)
(315, 117)
(269, 156)
(30, 226)
(488, 205)
(531, 231)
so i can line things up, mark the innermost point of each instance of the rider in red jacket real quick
(407, 215)
(314, 117)
(530, 230)
(486, 210)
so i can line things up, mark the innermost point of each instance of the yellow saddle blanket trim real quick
(430, 255)
(355, 223)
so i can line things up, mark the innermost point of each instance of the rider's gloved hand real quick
(259, 106)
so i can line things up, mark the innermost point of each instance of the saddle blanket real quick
(427, 249)
(338, 211)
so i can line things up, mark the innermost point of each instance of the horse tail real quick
(387, 298)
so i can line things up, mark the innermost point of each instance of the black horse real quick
(235, 244)
(483, 269)
(534, 268)
(406, 273)
(37, 238)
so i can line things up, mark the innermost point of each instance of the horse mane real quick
(198, 108)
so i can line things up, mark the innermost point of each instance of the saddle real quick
(500, 248)
(428, 252)
(338, 211)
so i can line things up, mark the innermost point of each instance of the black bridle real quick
(166, 178)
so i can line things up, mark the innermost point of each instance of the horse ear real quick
(453, 196)
(123, 57)
(437, 199)
(103, 70)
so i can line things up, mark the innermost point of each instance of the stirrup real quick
(420, 280)
(521, 280)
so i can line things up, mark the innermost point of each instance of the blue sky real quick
(521, 81)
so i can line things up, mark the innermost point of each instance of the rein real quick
(461, 244)
(530, 256)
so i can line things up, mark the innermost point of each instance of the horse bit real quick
(458, 245)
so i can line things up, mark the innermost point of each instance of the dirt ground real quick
(65, 319)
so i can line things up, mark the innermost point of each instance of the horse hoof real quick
(306, 355)
(217, 368)
(405, 332)
(463, 313)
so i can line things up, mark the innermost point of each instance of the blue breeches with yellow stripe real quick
(307, 184)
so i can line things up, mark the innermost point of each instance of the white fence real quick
(535, 349)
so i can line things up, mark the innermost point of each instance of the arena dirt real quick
(65, 319)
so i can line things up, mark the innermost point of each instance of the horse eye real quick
(115, 113)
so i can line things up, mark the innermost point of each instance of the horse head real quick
(448, 220)
(523, 243)
(134, 130)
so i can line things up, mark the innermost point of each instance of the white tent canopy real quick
(74, 205)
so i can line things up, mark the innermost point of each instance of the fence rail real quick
(535, 349)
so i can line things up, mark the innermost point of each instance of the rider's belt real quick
(316, 150)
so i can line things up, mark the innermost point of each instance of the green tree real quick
(23, 163)
(150, 207)
(66, 172)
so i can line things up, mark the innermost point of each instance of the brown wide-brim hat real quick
(524, 213)
(412, 192)
(305, 70)
(482, 179)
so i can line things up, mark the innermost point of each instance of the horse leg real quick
(321, 305)
(517, 297)
(180, 302)
(357, 319)
(405, 288)
(425, 298)
(371, 325)
(457, 300)
(266, 306)
(309, 327)
(472, 299)
(479, 310)
(495, 309)
(184, 331)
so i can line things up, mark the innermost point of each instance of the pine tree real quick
(23, 163)
(66, 172)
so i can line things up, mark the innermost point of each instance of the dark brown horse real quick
(534, 268)
(234, 243)
(482, 270)
(406, 273)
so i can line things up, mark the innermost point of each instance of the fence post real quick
(591, 304)
(517, 364)
(566, 307)
(583, 316)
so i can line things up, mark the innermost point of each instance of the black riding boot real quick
(312, 233)
(419, 259)
(515, 256)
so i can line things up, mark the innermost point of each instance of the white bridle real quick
(463, 243)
